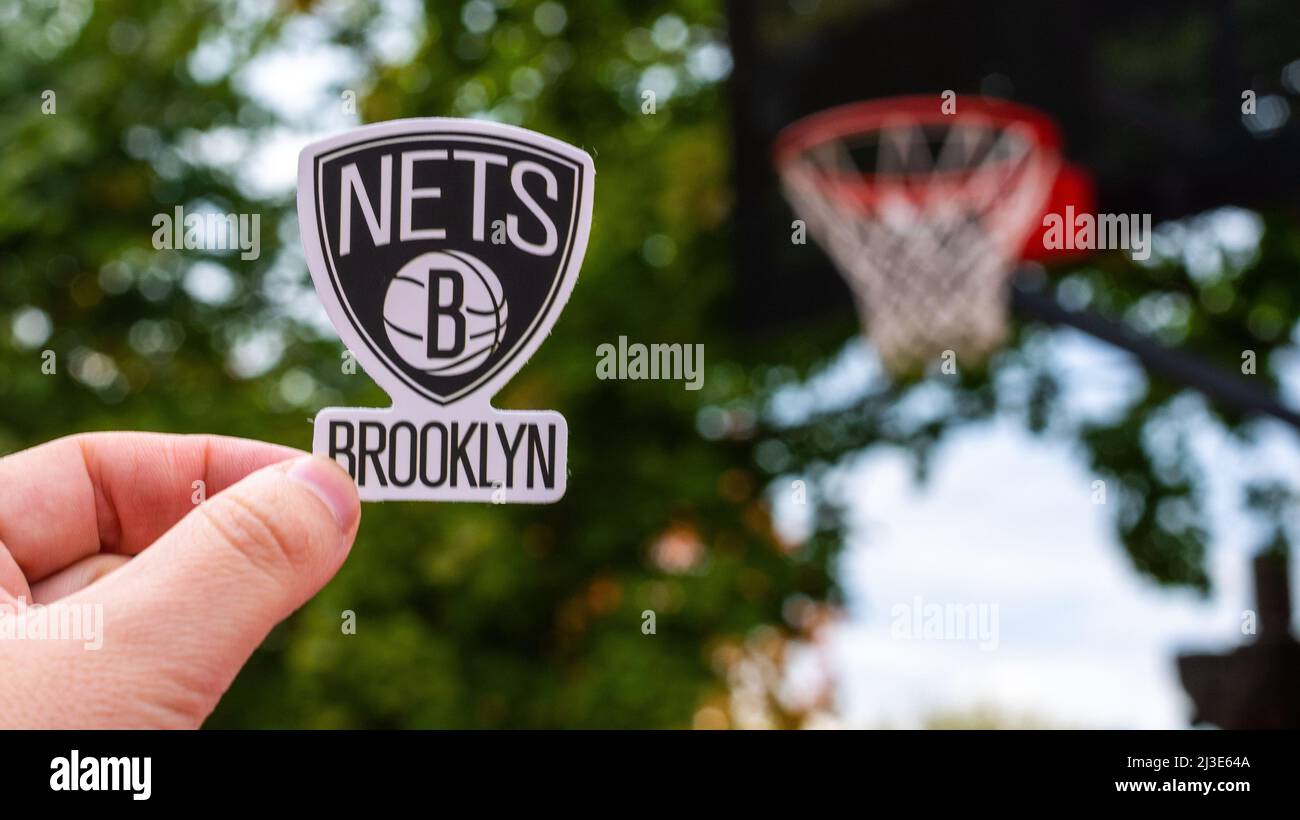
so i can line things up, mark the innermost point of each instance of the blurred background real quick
(794, 526)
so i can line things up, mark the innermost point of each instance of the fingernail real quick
(331, 485)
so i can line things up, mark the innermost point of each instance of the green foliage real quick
(1232, 301)
(466, 615)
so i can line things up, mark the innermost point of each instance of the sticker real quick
(444, 250)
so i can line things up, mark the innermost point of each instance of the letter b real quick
(452, 310)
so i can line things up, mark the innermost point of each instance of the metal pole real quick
(1179, 367)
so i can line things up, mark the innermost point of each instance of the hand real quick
(186, 591)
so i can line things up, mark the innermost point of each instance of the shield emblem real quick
(444, 249)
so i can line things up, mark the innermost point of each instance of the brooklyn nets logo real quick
(443, 251)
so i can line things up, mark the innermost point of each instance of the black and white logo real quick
(444, 250)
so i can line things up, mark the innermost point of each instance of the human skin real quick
(187, 590)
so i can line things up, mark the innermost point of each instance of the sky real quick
(1008, 522)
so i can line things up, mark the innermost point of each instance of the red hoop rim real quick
(872, 115)
(1072, 187)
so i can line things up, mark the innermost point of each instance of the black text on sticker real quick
(510, 457)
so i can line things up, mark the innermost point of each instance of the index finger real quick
(113, 492)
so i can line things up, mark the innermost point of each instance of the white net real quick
(926, 219)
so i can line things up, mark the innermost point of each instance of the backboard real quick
(1149, 98)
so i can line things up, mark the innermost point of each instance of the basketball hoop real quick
(927, 214)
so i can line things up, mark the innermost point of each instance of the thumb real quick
(182, 617)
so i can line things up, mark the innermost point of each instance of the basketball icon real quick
(445, 313)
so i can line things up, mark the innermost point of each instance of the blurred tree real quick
(466, 615)
(1233, 304)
